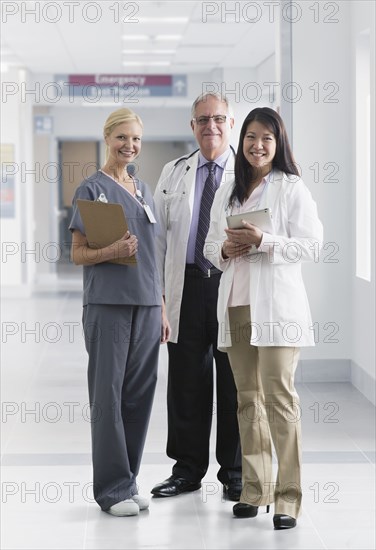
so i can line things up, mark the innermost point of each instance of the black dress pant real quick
(190, 387)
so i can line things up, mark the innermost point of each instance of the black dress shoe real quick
(242, 510)
(232, 489)
(281, 521)
(174, 486)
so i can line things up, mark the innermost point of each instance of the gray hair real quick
(202, 98)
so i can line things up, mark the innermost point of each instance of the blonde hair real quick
(119, 117)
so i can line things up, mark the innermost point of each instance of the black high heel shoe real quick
(282, 521)
(242, 510)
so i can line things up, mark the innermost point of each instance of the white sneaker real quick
(142, 502)
(124, 508)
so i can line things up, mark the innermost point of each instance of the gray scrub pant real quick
(123, 346)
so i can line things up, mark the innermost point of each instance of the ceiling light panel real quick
(148, 52)
(136, 37)
(141, 63)
(163, 20)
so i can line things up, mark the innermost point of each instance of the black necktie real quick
(204, 217)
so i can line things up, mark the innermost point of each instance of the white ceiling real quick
(89, 37)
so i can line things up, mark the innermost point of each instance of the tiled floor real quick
(46, 470)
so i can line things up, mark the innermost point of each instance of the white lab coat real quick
(174, 197)
(279, 309)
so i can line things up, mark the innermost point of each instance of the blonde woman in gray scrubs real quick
(124, 321)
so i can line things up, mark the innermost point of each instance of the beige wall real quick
(79, 160)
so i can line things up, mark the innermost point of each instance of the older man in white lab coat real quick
(190, 284)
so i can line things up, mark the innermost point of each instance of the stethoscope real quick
(173, 192)
(182, 159)
(187, 168)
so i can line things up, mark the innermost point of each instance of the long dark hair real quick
(283, 159)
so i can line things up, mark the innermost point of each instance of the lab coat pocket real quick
(174, 207)
(289, 292)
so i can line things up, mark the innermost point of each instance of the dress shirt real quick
(201, 175)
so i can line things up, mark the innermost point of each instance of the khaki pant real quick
(268, 410)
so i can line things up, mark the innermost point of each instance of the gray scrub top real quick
(108, 283)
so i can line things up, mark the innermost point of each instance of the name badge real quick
(149, 214)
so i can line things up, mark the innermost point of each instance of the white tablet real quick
(261, 218)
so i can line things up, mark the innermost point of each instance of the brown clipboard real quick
(104, 224)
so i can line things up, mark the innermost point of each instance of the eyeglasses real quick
(203, 120)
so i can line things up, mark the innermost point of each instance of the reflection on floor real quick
(46, 469)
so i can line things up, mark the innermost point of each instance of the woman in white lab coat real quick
(263, 310)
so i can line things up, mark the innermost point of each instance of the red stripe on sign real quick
(119, 79)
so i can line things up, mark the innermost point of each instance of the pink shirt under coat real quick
(239, 295)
